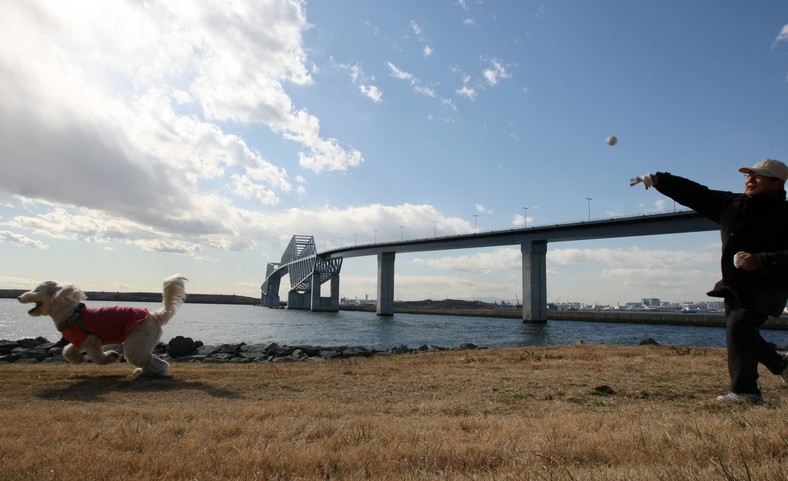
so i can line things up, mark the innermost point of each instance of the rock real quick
(240, 360)
(180, 346)
(29, 343)
(35, 353)
(279, 351)
(192, 358)
(604, 390)
(207, 350)
(358, 351)
(310, 351)
(7, 346)
(401, 349)
(185, 349)
(254, 347)
(649, 342)
(329, 353)
(230, 348)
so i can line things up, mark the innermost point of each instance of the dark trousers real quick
(746, 348)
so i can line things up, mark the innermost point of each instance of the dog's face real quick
(50, 297)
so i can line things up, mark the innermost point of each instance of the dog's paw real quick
(150, 374)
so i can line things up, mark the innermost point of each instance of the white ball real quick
(612, 140)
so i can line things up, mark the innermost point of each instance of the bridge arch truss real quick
(307, 272)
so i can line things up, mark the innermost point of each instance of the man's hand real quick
(647, 179)
(746, 261)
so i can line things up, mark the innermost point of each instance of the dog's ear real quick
(49, 288)
(70, 291)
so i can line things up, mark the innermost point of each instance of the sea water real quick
(225, 324)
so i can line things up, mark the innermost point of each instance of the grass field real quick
(585, 412)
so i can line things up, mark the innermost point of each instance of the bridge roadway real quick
(533, 245)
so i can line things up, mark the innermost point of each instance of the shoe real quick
(733, 397)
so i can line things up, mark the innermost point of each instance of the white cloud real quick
(136, 128)
(495, 73)
(783, 35)
(480, 208)
(520, 220)
(6, 236)
(466, 92)
(665, 280)
(416, 28)
(363, 81)
(399, 73)
(240, 229)
(418, 87)
(484, 262)
(371, 91)
(633, 256)
(244, 187)
(633, 259)
(427, 51)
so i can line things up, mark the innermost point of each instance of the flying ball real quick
(612, 140)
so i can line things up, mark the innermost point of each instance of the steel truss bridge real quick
(308, 269)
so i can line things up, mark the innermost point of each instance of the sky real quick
(141, 139)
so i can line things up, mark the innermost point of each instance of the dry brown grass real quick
(584, 412)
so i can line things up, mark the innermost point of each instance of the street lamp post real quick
(435, 228)
(589, 207)
(376, 236)
(525, 217)
(475, 216)
(401, 232)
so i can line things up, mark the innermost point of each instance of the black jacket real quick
(758, 225)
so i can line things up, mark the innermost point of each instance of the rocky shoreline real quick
(185, 349)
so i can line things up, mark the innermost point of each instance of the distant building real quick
(651, 302)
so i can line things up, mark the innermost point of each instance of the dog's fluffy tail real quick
(173, 295)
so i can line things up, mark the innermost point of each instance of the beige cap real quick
(768, 168)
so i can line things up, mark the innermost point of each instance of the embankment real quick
(702, 319)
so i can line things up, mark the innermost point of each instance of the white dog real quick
(88, 329)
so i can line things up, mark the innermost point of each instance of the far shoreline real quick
(673, 318)
(698, 319)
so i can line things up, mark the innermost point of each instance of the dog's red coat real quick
(111, 324)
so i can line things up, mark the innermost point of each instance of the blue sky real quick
(142, 139)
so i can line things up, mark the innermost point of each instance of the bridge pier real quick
(534, 281)
(385, 284)
(270, 288)
(297, 300)
(325, 304)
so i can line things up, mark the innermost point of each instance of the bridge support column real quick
(297, 300)
(267, 300)
(534, 281)
(329, 304)
(385, 284)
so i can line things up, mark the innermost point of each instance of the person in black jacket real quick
(754, 285)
